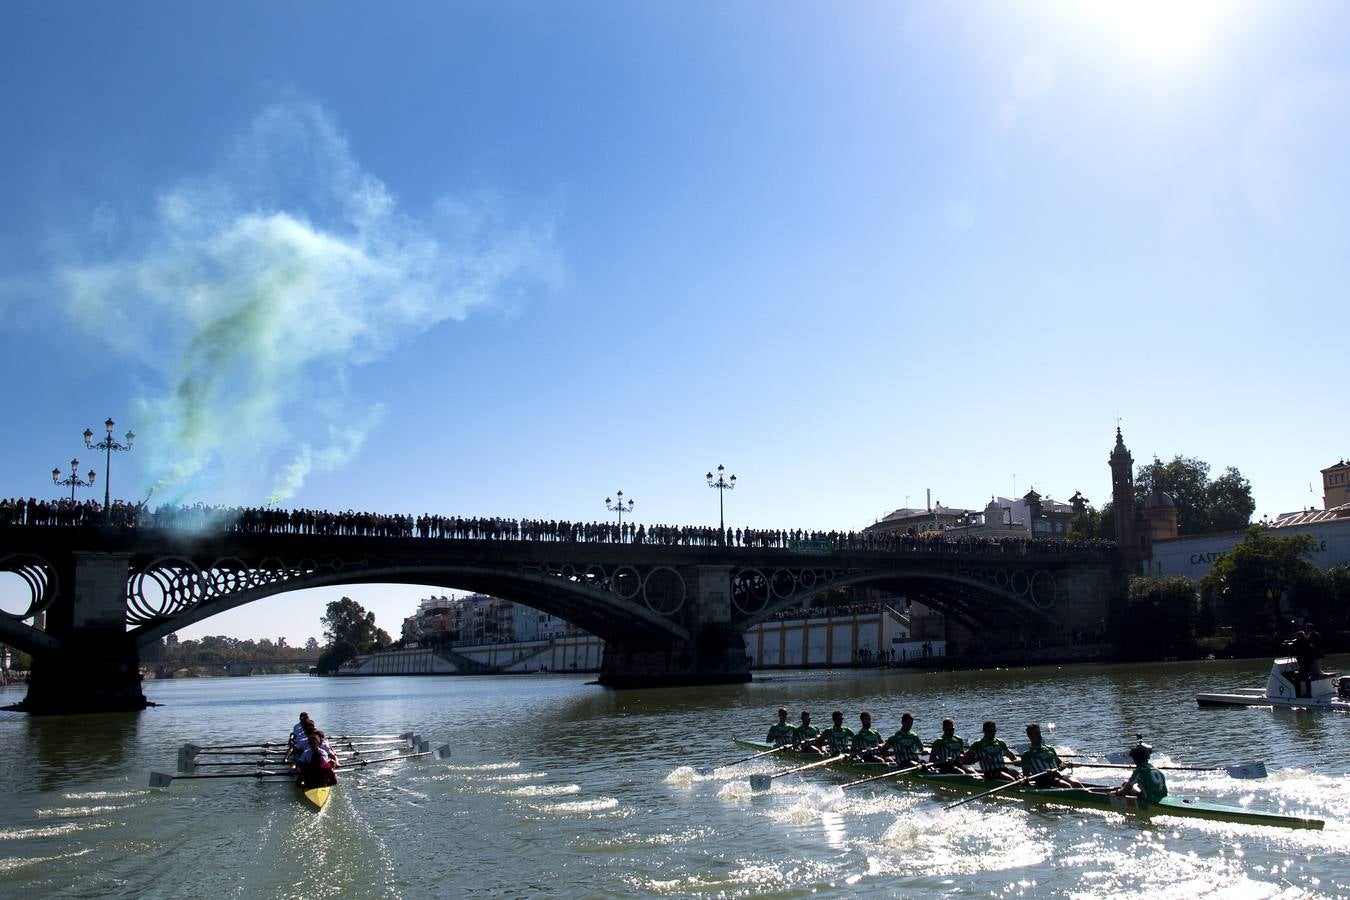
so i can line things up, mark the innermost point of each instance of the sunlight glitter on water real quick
(600, 804)
(75, 812)
(543, 790)
(105, 795)
(14, 834)
(19, 862)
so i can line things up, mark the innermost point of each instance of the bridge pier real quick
(95, 666)
(95, 671)
(714, 655)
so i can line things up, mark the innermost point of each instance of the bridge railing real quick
(271, 520)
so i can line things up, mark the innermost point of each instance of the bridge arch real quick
(603, 613)
(973, 602)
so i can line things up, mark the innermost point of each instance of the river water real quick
(560, 788)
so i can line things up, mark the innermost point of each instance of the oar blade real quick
(1247, 770)
(705, 771)
(424, 747)
(761, 782)
(186, 760)
(160, 780)
(443, 751)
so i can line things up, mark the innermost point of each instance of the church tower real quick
(1122, 497)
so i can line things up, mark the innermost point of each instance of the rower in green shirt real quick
(990, 752)
(839, 737)
(946, 751)
(807, 736)
(1041, 760)
(905, 745)
(1145, 782)
(781, 732)
(868, 744)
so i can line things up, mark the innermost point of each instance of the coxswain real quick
(1145, 782)
(947, 750)
(868, 744)
(838, 738)
(807, 736)
(1041, 760)
(992, 755)
(318, 762)
(905, 746)
(781, 733)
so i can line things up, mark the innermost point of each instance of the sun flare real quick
(1161, 29)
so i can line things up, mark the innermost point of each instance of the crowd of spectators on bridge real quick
(274, 520)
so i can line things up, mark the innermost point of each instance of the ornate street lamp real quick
(74, 480)
(618, 507)
(722, 485)
(108, 445)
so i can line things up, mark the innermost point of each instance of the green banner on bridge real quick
(819, 548)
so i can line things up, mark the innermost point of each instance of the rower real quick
(318, 762)
(806, 735)
(868, 744)
(838, 738)
(990, 752)
(298, 732)
(1041, 761)
(905, 745)
(781, 733)
(1145, 782)
(946, 751)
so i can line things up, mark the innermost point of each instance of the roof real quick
(1311, 516)
(1158, 499)
(1340, 465)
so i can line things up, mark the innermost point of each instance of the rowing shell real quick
(317, 796)
(1093, 797)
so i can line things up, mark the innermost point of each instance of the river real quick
(560, 788)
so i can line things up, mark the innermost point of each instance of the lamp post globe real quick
(721, 484)
(74, 480)
(617, 506)
(107, 445)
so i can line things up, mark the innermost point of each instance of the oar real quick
(162, 779)
(407, 735)
(441, 752)
(1001, 787)
(282, 746)
(762, 782)
(187, 764)
(708, 770)
(895, 774)
(1244, 770)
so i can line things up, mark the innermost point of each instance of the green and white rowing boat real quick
(1089, 796)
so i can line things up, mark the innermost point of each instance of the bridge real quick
(670, 610)
(243, 666)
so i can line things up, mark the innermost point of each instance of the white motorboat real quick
(1287, 688)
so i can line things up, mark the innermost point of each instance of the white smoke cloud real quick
(253, 291)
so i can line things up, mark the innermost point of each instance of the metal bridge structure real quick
(669, 614)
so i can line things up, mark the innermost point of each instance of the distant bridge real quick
(668, 613)
(247, 666)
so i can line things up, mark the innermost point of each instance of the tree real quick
(1090, 524)
(333, 657)
(1224, 504)
(312, 645)
(1246, 583)
(1160, 618)
(347, 621)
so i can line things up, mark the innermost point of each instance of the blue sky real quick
(507, 258)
